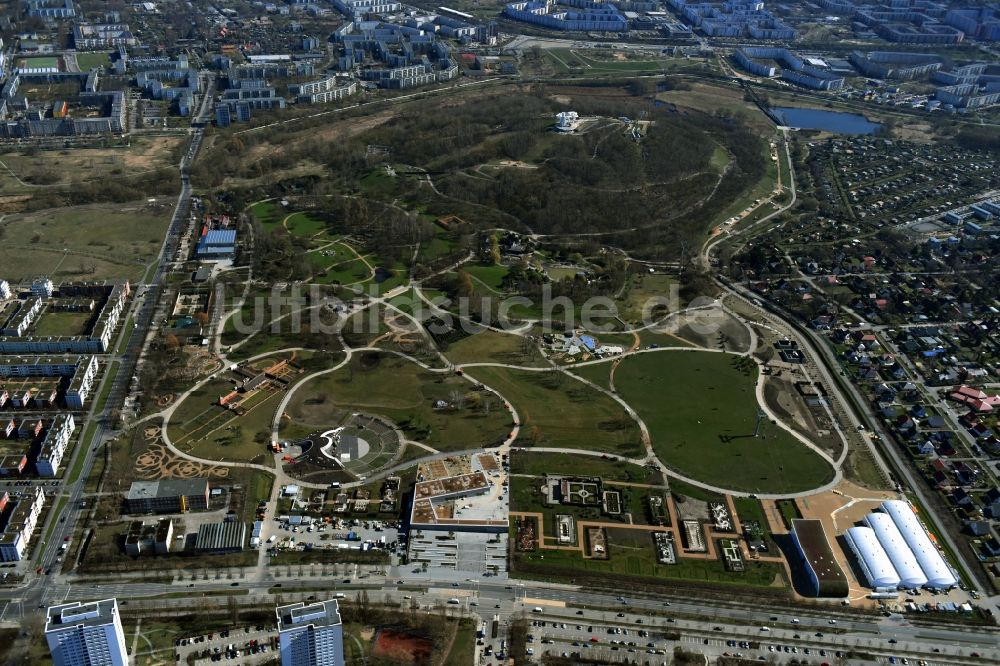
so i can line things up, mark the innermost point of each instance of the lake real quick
(829, 121)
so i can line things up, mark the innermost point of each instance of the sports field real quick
(701, 411)
(88, 61)
(39, 61)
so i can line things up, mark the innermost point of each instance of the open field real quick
(100, 241)
(405, 394)
(490, 276)
(63, 166)
(599, 373)
(709, 97)
(644, 291)
(557, 411)
(268, 213)
(594, 62)
(346, 271)
(701, 410)
(487, 346)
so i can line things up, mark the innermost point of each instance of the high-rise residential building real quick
(311, 635)
(86, 634)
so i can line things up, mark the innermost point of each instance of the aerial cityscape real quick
(544, 332)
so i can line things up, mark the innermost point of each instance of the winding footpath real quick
(467, 371)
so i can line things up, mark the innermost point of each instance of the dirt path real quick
(451, 643)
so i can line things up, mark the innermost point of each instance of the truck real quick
(496, 626)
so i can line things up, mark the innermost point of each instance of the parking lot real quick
(248, 644)
(343, 533)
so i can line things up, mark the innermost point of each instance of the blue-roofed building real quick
(217, 244)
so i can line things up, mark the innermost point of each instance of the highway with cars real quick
(831, 630)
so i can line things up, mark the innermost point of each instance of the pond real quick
(829, 121)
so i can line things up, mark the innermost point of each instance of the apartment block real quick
(86, 634)
(54, 445)
(311, 635)
(18, 519)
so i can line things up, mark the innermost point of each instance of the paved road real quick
(832, 628)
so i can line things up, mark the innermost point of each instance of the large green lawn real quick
(491, 276)
(404, 393)
(559, 411)
(303, 224)
(42, 61)
(268, 213)
(57, 323)
(701, 410)
(99, 241)
(539, 463)
(489, 346)
(87, 61)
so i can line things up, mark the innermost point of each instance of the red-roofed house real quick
(974, 398)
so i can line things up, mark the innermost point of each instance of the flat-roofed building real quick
(217, 243)
(225, 537)
(459, 516)
(311, 635)
(826, 578)
(82, 383)
(86, 634)
(167, 496)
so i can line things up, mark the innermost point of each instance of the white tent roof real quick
(874, 562)
(937, 571)
(910, 573)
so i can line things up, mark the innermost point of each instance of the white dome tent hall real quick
(939, 574)
(872, 558)
(910, 573)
